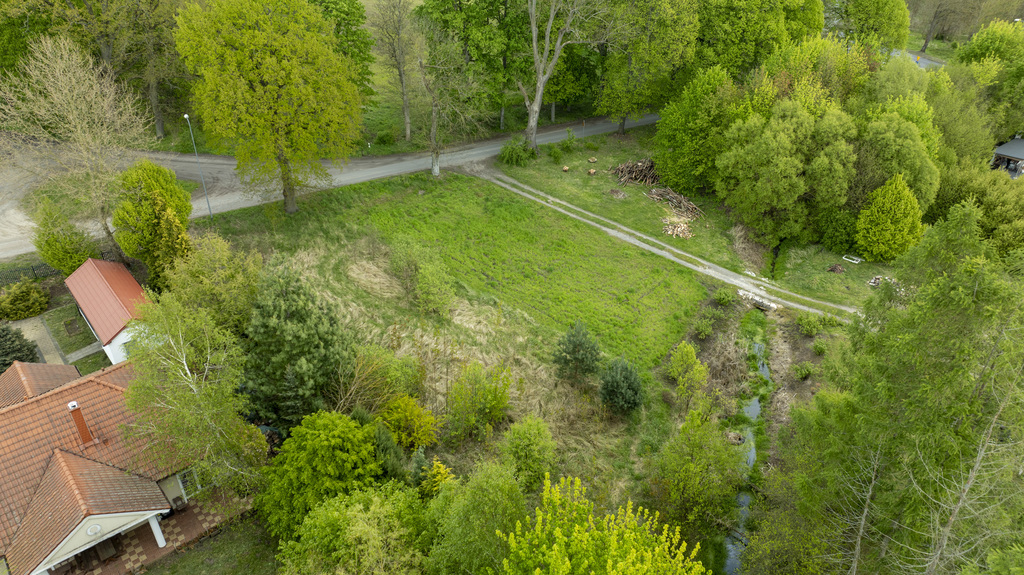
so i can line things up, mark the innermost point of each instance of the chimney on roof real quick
(83, 429)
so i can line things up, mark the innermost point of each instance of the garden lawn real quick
(711, 239)
(56, 320)
(242, 548)
(495, 244)
(804, 270)
(92, 363)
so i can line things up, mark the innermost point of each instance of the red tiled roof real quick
(31, 430)
(72, 489)
(24, 380)
(107, 294)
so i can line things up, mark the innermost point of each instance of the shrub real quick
(689, 372)
(577, 354)
(413, 426)
(820, 346)
(417, 468)
(385, 138)
(516, 152)
(712, 313)
(14, 347)
(829, 320)
(702, 328)
(530, 449)
(725, 296)
(477, 400)
(569, 143)
(620, 387)
(891, 222)
(809, 323)
(803, 370)
(390, 456)
(434, 477)
(434, 291)
(838, 228)
(555, 153)
(23, 299)
(592, 146)
(59, 242)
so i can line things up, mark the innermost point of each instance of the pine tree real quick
(891, 223)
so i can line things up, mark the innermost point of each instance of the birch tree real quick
(391, 22)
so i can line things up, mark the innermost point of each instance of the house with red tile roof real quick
(107, 294)
(71, 482)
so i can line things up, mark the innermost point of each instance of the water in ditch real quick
(733, 543)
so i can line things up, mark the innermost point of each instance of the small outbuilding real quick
(1010, 157)
(107, 295)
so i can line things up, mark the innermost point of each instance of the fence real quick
(15, 275)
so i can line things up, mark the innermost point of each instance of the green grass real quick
(495, 245)
(711, 239)
(242, 548)
(938, 50)
(55, 319)
(91, 363)
(804, 270)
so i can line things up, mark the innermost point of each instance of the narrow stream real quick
(734, 545)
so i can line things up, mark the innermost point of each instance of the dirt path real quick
(227, 192)
(643, 241)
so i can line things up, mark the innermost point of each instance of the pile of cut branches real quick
(641, 172)
(680, 204)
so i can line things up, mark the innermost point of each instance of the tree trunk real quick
(405, 104)
(435, 148)
(931, 29)
(552, 112)
(533, 117)
(158, 115)
(288, 184)
(862, 523)
(501, 120)
(104, 218)
(107, 54)
(622, 126)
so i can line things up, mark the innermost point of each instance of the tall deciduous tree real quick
(653, 39)
(185, 396)
(296, 349)
(354, 41)
(884, 24)
(739, 34)
(1000, 45)
(151, 218)
(271, 82)
(391, 22)
(91, 123)
(60, 243)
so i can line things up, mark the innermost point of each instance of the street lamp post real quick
(200, 167)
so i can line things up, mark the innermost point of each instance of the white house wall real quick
(115, 350)
(110, 525)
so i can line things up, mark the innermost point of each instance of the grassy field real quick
(57, 320)
(242, 548)
(804, 270)
(711, 240)
(498, 247)
(938, 50)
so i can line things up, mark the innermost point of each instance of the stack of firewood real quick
(641, 172)
(676, 228)
(680, 205)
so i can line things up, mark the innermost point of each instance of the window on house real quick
(189, 484)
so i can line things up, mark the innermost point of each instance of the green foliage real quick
(725, 296)
(389, 454)
(23, 299)
(997, 52)
(567, 537)
(884, 24)
(400, 375)
(470, 518)
(296, 349)
(417, 468)
(739, 35)
(301, 104)
(516, 152)
(14, 347)
(889, 145)
(413, 426)
(621, 389)
(1007, 561)
(327, 455)
(809, 323)
(424, 274)
(348, 19)
(703, 327)
(690, 374)
(819, 346)
(530, 450)
(184, 395)
(838, 228)
(434, 478)
(804, 369)
(891, 223)
(577, 354)
(691, 131)
(477, 401)
(151, 219)
(555, 153)
(570, 143)
(697, 473)
(218, 279)
(59, 243)
(372, 531)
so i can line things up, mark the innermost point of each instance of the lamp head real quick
(186, 116)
